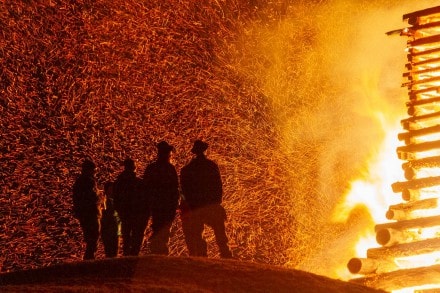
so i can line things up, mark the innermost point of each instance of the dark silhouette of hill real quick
(171, 274)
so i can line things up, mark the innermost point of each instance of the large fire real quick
(404, 253)
(284, 92)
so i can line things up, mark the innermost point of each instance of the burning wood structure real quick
(409, 256)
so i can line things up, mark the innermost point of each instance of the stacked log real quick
(413, 229)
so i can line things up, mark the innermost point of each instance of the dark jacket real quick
(85, 198)
(161, 183)
(201, 182)
(129, 197)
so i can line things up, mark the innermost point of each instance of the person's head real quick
(164, 149)
(199, 147)
(88, 167)
(129, 165)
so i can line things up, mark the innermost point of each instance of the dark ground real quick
(171, 274)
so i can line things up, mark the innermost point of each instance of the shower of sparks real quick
(108, 79)
(266, 83)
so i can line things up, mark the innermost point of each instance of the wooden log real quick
(416, 183)
(432, 290)
(405, 249)
(418, 132)
(410, 224)
(366, 266)
(389, 237)
(428, 203)
(419, 102)
(428, 162)
(362, 265)
(403, 211)
(421, 13)
(397, 215)
(410, 194)
(418, 147)
(425, 90)
(411, 83)
(411, 122)
(401, 279)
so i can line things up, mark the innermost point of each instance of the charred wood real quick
(405, 249)
(416, 183)
(410, 224)
(368, 266)
(418, 132)
(429, 162)
(401, 279)
(428, 203)
(410, 194)
(411, 123)
(411, 83)
(389, 237)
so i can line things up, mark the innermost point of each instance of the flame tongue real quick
(407, 242)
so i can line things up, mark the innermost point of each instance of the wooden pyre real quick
(404, 235)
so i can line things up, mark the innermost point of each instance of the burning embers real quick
(409, 257)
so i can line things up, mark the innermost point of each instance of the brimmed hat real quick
(199, 147)
(164, 147)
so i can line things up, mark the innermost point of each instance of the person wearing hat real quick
(161, 184)
(132, 206)
(86, 205)
(202, 198)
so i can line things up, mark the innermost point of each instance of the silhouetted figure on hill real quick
(161, 183)
(86, 207)
(109, 223)
(201, 205)
(132, 205)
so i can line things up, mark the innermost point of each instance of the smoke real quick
(332, 77)
(292, 97)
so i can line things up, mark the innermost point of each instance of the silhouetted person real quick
(132, 206)
(161, 183)
(109, 223)
(86, 207)
(202, 192)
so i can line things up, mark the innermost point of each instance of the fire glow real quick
(408, 256)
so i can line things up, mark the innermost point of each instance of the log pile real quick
(409, 256)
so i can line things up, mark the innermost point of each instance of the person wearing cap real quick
(132, 206)
(202, 198)
(161, 183)
(86, 205)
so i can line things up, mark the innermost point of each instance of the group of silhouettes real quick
(131, 203)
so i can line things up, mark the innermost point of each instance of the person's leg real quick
(192, 230)
(90, 227)
(215, 218)
(159, 238)
(126, 236)
(138, 235)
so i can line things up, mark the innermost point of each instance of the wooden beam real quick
(405, 249)
(423, 12)
(410, 224)
(410, 194)
(428, 162)
(428, 203)
(402, 279)
(416, 183)
(389, 237)
(366, 266)
(409, 123)
(418, 132)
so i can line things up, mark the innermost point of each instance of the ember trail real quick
(276, 88)
(408, 259)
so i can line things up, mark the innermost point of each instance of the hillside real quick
(171, 274)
